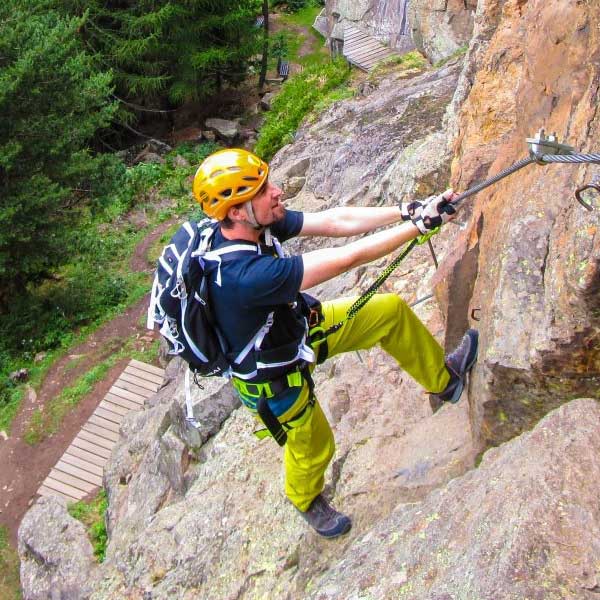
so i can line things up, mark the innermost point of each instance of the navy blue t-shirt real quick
(252, 286)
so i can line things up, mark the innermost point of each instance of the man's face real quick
(267, 205)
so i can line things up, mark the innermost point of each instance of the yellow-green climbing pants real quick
(385, 320)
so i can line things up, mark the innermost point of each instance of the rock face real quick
(386, 20)
(202, 514)
(442, 27)
(525, 524)
(529, 260)
(379, 147)
(57, 558)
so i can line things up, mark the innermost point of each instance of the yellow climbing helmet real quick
(227, 178)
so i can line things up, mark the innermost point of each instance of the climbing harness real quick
(543, 150)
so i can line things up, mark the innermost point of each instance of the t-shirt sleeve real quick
(267, 280)
(289, 227)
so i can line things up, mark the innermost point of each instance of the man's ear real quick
(237, 213)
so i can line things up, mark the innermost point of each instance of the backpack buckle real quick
(252, 390)
(314, 317)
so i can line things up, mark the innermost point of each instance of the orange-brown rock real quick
(531, 255)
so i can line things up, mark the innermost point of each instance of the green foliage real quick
(165, 51)
(96, 283)
(297, 26)
(9, 568)
(408, 61)
(92, 515)
(52, 101)
(458, 52)
(298, 97)
(294, 6)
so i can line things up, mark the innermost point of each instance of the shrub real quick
(298, 97)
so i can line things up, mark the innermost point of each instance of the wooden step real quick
(81, 463)
(85, 455)
(80, 469)
(96, 439)
(138, 381)
(105, 423)
(123, 392)
(106, 434)
(67, 490)
(46, 491)
(105, 413)
(128, 405)
(82, 474)
(146, 367)
(113, 407)
(157, 379)
(84, 444)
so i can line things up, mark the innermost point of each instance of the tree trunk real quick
(265, 53)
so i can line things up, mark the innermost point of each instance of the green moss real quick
(10, 588)
(459, 52)
(92, 514)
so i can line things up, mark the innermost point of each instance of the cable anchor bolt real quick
(593, 185)
(542, 144)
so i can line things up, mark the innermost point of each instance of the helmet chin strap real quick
(251, 217)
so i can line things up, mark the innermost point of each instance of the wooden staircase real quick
(79, 470)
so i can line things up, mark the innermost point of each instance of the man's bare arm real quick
(345, 221)
(323, 265)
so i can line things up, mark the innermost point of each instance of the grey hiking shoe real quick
(459, 363)
(325, 520)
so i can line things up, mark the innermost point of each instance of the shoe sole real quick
(465, 369)
(343, 531)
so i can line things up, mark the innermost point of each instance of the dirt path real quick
(309, 45)
(24, 467)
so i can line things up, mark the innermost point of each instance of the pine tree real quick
(169, 50)
(52, 102)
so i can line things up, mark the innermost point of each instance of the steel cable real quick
(572, 158)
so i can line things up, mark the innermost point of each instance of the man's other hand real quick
(437, 211)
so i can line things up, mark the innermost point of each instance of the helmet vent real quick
(249, 178)
(234, 169)
(226, 193)
(217, 173)
(243, 189)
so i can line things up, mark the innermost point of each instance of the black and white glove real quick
(412, 210)
(437, 211)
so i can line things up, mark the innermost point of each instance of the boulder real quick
(181, 162)
(267, 99)
(525, 524)
(148, 157)
(19, 376)
(442, 27)
(57, 558)
(225, 130)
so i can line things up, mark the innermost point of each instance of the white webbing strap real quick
(256, 340)
(167, 333)
(278, 248)
(189, 411)
(215, 255)
(154, 294)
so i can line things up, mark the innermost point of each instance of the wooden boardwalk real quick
(79, 470)
(363, 50)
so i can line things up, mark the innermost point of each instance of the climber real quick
(268, 326)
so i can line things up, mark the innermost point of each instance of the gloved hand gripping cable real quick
(542, 150)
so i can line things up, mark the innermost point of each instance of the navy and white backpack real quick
(179, 300)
